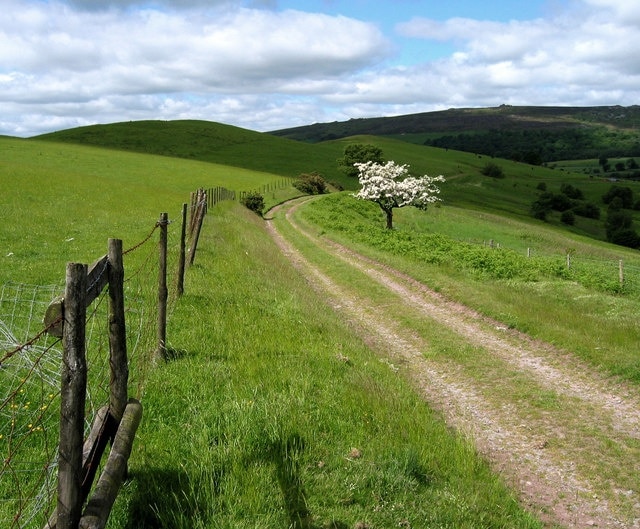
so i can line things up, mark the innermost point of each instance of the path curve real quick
(537, 455)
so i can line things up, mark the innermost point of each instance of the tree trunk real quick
(389, 213)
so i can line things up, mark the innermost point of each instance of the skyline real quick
(272, 64)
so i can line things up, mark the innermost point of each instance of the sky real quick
(271, 64)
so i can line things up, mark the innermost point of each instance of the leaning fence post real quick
(72, 398)
(118, 386)
(162, 287)
(200, 213)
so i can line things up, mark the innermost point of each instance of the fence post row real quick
(118, 422)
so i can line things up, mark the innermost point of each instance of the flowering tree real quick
(390, 187)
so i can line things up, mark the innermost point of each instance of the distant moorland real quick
(528, 133)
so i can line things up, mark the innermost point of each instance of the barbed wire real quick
(30, 384)
(30, 377)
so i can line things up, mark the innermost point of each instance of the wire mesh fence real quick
(30, 371)
(29, 404)
(30, 381)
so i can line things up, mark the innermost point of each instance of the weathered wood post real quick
(621, 272)
(162, 288)
(114, 473)
(118, 385)
(72, 397)
(192, 213)
(200, 213)
(183, 246)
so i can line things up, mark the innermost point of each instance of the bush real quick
(493, 170)
(311, 183)
(588, 210)
(625, 194)
(568, 218)
(625, 237)
(254, 201)
(571, 192)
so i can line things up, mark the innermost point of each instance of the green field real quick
(258, 420)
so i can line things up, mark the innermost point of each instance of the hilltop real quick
(549, 133)
(208, 142)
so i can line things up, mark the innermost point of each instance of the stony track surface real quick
(574, 462)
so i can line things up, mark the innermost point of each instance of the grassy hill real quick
(467, 187)
(257, 419)
(543, 134)
(208, 142)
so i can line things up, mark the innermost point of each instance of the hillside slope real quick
(208, 142)
(554, 133)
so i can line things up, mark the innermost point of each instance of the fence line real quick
(267, 188)
(614, 270)
(35, 466)
(33, 459)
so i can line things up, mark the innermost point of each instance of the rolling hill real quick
(208, 142)
(549, 133)
(466, 185)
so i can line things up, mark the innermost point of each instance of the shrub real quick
(311, 183)
(588, 210)
(625, 194)
(568, 218)
(571, 192)
(493, 170)
(254, 201)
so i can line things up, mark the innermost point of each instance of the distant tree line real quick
(570, 203)
(538, 146)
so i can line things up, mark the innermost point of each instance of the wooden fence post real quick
(192, 213)
(72, 397)
(200, 213)
(183, 246)
(621, 272)
(114, 473)
(118, 385)
(162, 288)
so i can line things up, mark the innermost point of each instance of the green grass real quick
(255, 424)
(209, 142)
(254, 420)
(62, 202)
(582, 308)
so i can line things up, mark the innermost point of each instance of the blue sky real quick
(270, 64)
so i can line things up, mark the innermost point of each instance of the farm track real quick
(573, 461)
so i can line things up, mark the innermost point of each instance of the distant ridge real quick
(470, 119)
(532, 134)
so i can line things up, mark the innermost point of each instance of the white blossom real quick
(390, 187)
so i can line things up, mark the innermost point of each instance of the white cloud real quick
(83, 61)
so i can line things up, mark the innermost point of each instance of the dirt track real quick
(547, 453)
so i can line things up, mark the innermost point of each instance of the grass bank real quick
(582, 308)
(272, 414)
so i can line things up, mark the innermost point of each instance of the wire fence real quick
(30, 373)
(604, 272)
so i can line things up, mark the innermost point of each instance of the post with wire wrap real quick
(161, 352)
